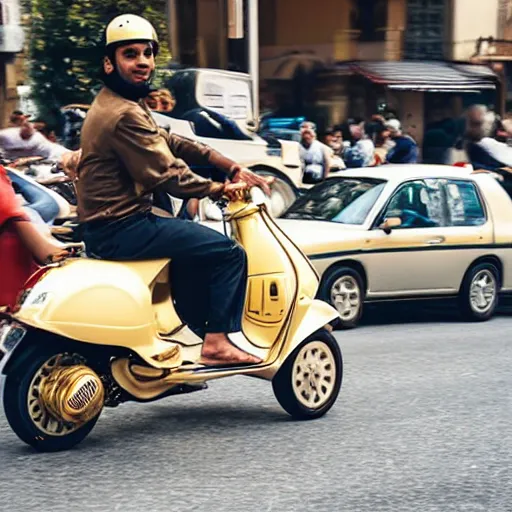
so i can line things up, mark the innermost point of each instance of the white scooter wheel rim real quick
(314, 374)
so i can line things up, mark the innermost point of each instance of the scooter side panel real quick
(98, 302)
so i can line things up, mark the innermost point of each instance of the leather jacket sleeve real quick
(195, 153)
(151, 162)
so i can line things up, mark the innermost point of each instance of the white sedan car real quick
(395, 233)
(407, 232)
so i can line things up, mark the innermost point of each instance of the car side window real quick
(418, 204)
(464, 204)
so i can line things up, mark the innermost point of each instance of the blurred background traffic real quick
(386, 72)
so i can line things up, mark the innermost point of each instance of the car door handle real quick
(436, 241)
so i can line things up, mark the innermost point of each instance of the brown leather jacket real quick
(126, 156)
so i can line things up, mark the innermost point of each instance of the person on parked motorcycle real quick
(25, 141)
(125, 158)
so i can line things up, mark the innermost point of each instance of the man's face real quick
(135, 62)
(152, 101)
(475, 124)
(18, 119)
(357, 131)
(166, 104)
(308, 137)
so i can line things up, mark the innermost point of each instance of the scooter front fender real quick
(318, 316)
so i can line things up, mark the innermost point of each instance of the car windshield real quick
(343, 200)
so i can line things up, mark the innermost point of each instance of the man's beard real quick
(124, 88)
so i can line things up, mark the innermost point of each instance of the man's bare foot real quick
(217, 350)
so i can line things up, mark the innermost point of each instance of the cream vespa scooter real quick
(88, 334)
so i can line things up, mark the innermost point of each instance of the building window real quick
(424, 36)
(370, 18)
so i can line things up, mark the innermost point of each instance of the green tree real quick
(65, 46)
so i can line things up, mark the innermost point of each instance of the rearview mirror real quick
(390, 223)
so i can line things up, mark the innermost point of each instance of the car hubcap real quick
(314, 374)
(346, 297)
(483, 291)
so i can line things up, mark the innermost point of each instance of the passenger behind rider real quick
(22, 244)
(125, 158)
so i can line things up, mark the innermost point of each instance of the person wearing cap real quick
(405, 150)
(360, 149)
(17, 119)
(125, 158)
(314, 156)
(24, 141)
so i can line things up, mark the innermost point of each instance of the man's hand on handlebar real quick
(235, 191)
(241, 174)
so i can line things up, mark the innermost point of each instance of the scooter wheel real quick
(308, 383)
(22, 413)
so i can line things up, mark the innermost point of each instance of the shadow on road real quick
(182, 421)
(420, 312)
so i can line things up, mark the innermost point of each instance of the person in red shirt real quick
(22, 246)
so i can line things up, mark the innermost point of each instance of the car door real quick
(469, 231)
(410, 259)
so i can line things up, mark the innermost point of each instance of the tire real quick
(478, 296)
(15, 398)
(282, 193)
(286, 383)
(340, 285)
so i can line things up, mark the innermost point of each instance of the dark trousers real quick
(208, 270)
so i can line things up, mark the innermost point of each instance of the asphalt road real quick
(423, 423)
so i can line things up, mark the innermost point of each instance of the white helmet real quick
(128, 28)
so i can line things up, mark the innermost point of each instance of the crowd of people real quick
(484, 142)
(354, 144)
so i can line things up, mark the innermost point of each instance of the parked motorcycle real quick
(47, 174)
(89, 334)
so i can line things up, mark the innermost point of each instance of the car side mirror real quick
(390, 223)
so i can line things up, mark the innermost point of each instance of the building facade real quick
(335, 59)
(11, 43)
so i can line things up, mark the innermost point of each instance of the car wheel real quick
(343, 288)
(309, 381)
(478, 297)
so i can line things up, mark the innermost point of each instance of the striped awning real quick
(427, 76)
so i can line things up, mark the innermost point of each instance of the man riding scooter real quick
(125, 158)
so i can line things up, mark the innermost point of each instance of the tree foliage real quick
(65, 46)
